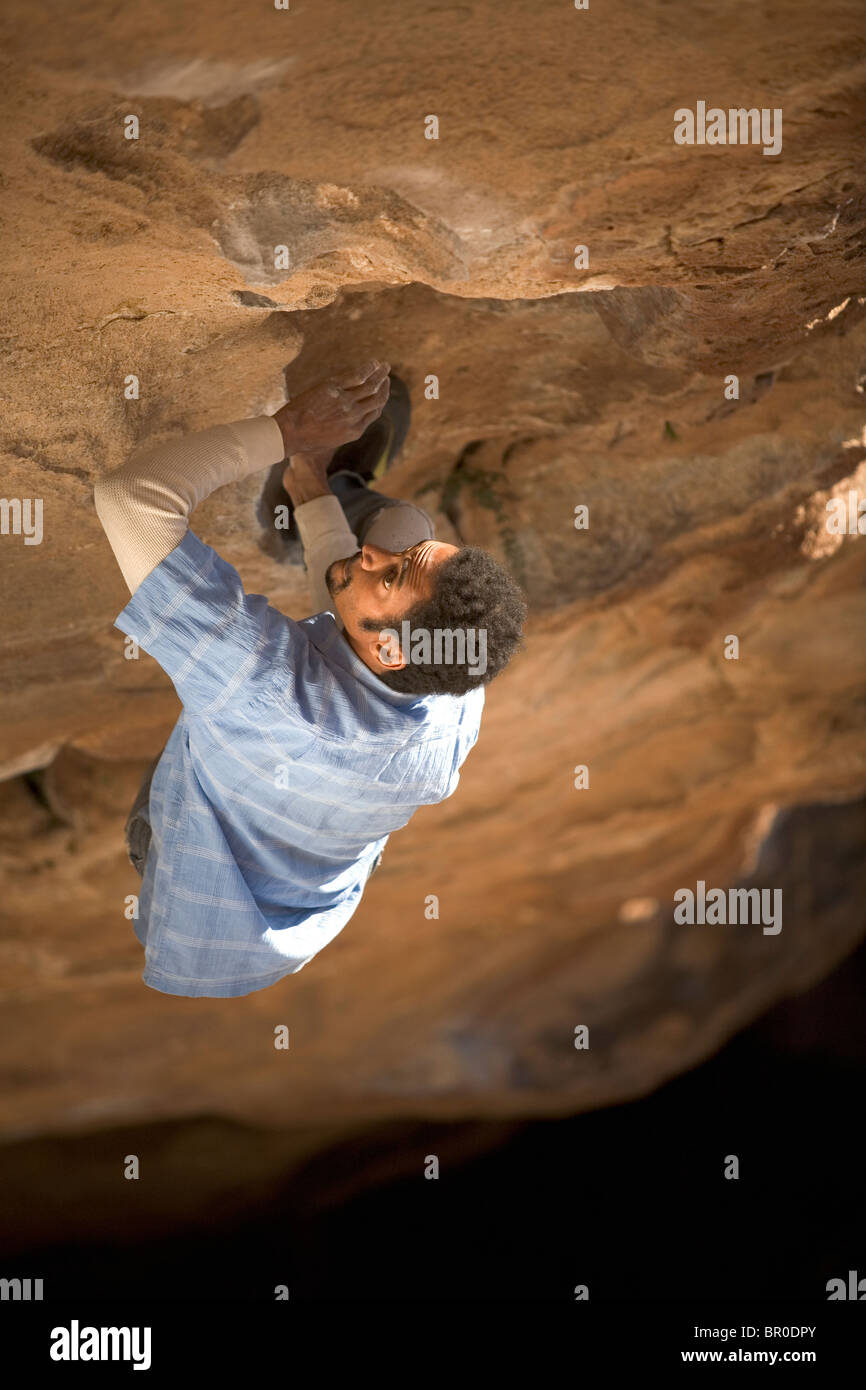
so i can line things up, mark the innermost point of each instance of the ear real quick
(385, 650)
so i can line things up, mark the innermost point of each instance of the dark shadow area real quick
(631, 1200)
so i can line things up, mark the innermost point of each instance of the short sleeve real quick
(212, 639)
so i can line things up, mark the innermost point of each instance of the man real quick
(300, 746)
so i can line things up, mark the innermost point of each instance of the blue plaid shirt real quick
(286, 772)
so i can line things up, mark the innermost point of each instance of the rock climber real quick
(301, 746)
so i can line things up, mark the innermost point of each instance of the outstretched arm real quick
(145, 505)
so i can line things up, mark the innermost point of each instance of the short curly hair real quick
(473, 593)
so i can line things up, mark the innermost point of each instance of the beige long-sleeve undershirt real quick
(145, 505)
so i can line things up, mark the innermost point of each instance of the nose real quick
(373, 558)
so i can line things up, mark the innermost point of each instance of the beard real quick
(336, 584)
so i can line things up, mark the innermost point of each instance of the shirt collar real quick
(329, 638)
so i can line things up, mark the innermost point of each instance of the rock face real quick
(562, 384)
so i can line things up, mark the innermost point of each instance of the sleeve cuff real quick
(323, 516)
(261, 440)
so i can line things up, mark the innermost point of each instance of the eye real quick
(388, 579)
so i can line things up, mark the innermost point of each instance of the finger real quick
(366, 378)
(377, 397)
(369, 417)
(356, 376)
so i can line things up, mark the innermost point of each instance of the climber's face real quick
(373, 589)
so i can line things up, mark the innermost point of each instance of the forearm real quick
(145, 505)
(321, 521)
(326, 536)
